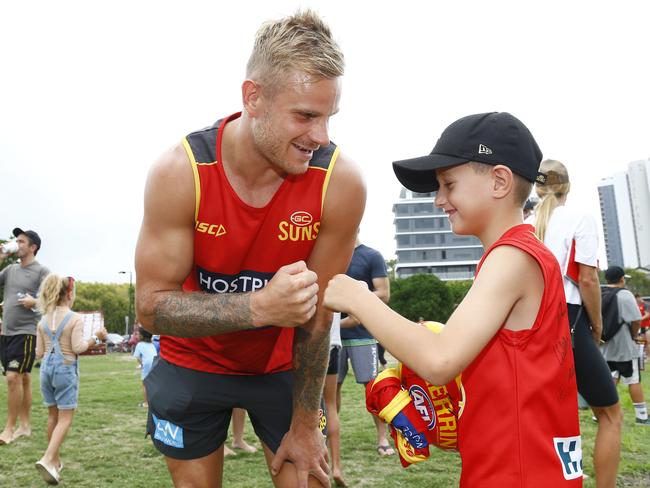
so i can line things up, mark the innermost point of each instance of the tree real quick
(111, 299)
(422, 295)
(11, 259)
(390, 267)
(639, 281)
(458, 290)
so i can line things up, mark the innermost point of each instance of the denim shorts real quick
(59, 382)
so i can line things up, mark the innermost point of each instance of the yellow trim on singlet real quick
(197, 181)
(328, 176)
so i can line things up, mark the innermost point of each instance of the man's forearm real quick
(196, 314)
(311, 348)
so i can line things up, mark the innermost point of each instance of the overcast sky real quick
(92, 92)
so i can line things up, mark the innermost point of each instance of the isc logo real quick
(423, 405)
(211, 229)
(301, 218)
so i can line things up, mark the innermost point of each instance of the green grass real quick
(106, 446)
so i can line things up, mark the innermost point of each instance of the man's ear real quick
(251, 93)
(503, 181)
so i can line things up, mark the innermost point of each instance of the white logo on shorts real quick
(13, 364)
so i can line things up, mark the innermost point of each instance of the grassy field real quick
(106, 446)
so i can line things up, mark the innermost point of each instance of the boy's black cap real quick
(613, 274)
(33, 236)
(490, 138)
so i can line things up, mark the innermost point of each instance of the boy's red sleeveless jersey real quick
(238, 248)
(519, 427)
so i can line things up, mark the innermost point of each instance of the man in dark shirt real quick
(359, 346)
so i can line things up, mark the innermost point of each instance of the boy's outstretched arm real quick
(508, 290)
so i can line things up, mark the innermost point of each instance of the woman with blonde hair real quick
(572, 237)
(59, 339)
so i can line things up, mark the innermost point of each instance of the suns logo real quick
(423, 405)
(299, 227)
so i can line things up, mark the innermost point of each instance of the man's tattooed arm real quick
(311, 350)
(183, 314)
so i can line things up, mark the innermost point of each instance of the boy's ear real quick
(503, 181)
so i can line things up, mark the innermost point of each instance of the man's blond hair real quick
(301, 42)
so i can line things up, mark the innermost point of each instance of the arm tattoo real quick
(196, 314)
(311, 350)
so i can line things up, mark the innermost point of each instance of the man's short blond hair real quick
(301, 42)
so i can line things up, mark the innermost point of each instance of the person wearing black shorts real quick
(245, 223)
(21, 282)
(572, 236)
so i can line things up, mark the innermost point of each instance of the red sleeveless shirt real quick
(519, 427)
(238, 248)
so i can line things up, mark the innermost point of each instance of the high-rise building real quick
(426, 244)
(625, 212)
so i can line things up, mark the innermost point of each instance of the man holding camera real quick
(21, 282)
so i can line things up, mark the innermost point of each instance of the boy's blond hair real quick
(521, 189)
(557, 186)
(301, 42)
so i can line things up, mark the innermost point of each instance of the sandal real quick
(385, 450)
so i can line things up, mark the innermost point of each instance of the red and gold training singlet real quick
(520, 424)
(238, 248)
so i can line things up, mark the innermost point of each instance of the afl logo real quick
(423, 405)
(301, 218)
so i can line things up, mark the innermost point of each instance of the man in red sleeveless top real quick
(245, 222)
(509, 337)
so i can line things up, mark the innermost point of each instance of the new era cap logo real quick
(482, 149)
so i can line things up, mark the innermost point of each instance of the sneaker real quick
(643, 421)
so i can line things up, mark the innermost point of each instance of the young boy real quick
(145, 352)
(510, 335)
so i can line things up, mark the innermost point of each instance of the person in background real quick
(134, 338)
(644, 331)
(330, 399)
(155, 340)
(238, 441)
(359, 346)
(567, 232)
(18, 341)
(622, 352)
(58, 342)
(144, 352)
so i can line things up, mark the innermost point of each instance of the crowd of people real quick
(249, 243)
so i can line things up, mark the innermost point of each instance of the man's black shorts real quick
(189, 410)
(624, 368)
(18, 353)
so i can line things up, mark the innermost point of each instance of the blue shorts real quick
(59, 382)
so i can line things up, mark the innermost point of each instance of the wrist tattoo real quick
(310, 363)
